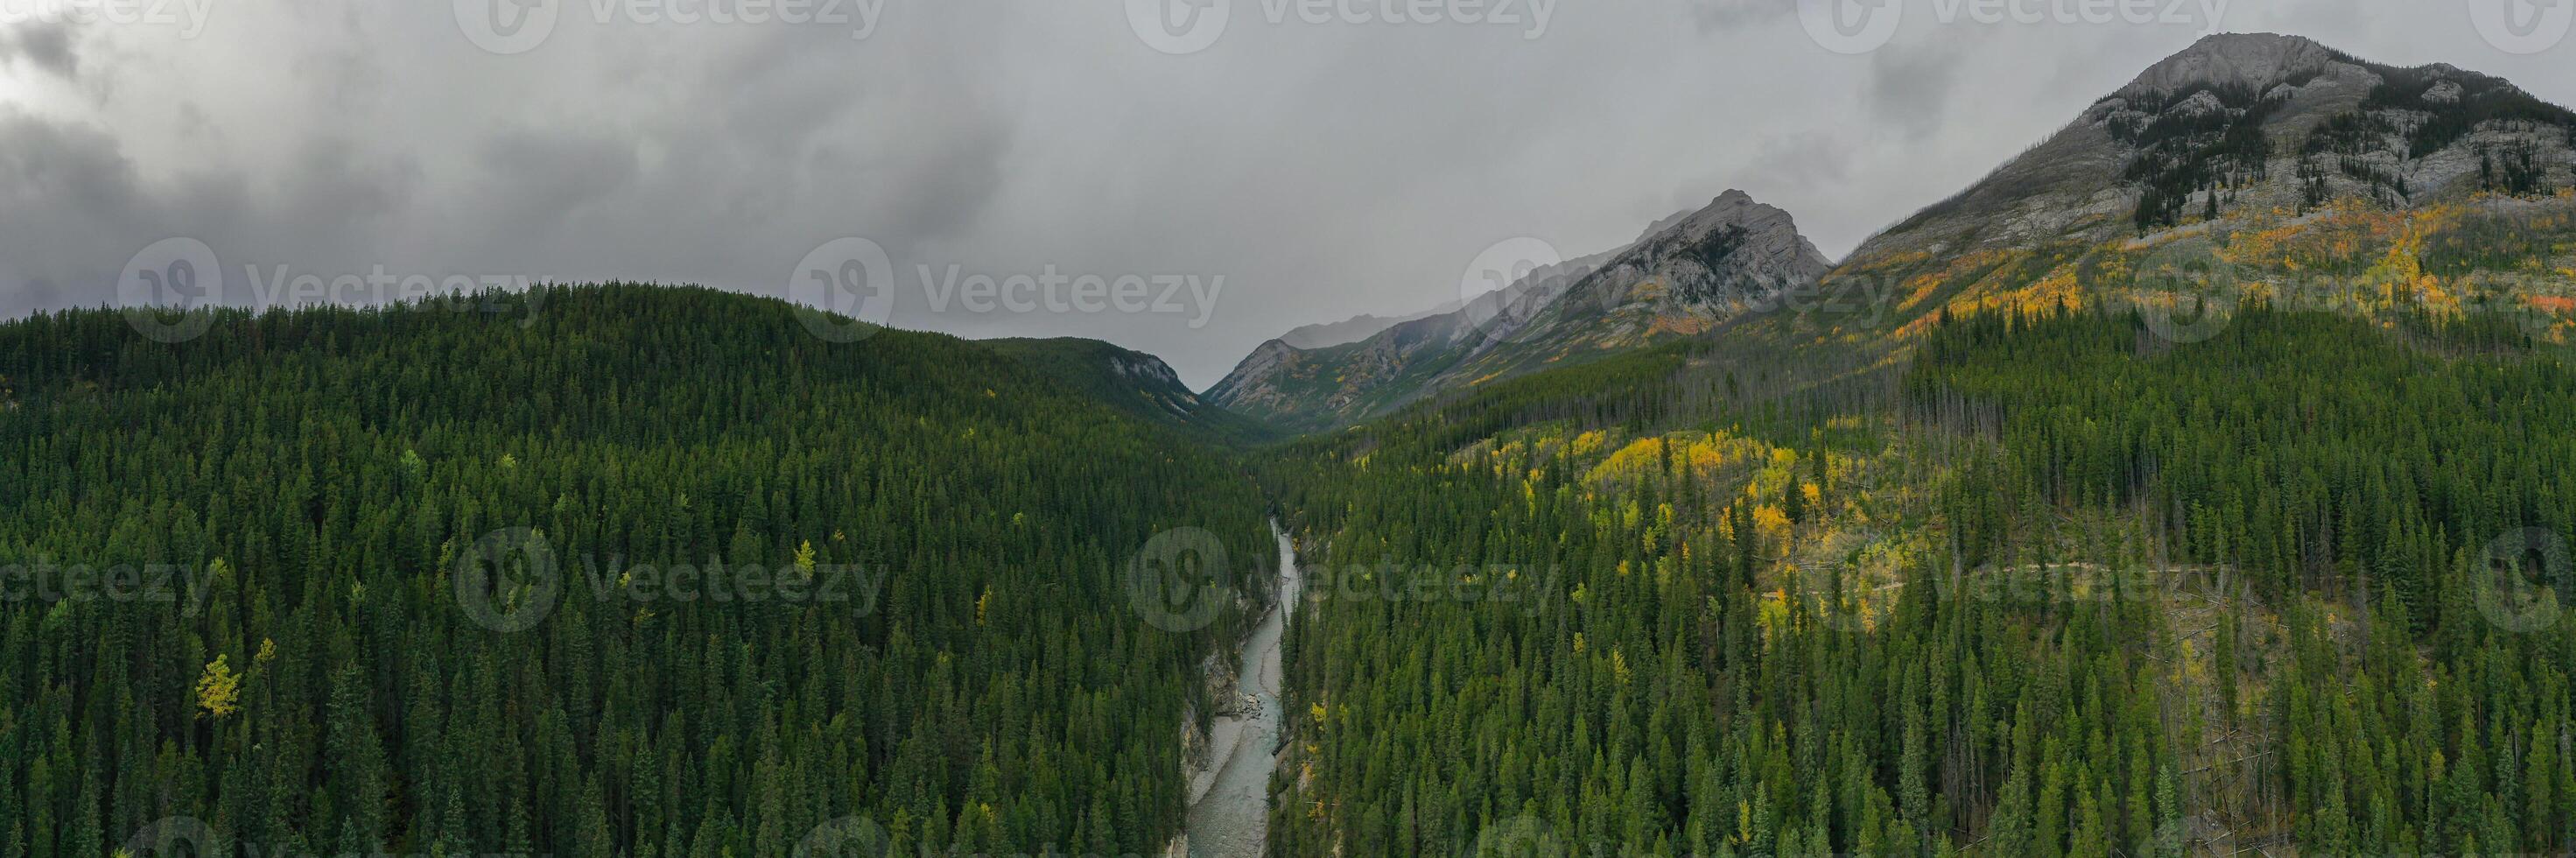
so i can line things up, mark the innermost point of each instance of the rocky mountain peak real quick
(2248, 123)
(1731, 209)
(2255, 61)
(1685, 273)
(1762, 238)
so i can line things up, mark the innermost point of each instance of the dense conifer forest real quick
(634, 570)
(615, 570)
(2052, 585)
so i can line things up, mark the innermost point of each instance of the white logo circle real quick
(1179, 26)
(2186, 292)
(1836, 577)
(855, 836)
(1520, 837)
(1489, 308)
(507, 27)
(2523, 26)
(519, 604)
(2522, 573)
(1851, 26)
(2513, 300)
(843, 290)
(171, 289)
(1180, 581)
(173, 836)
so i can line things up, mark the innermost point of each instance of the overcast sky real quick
(1321, 169)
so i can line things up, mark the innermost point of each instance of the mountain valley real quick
(2200, 481)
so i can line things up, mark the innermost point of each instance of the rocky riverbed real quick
(1230, 797)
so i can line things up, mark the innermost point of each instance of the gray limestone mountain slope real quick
(2248, 122)
(1357, 328)
(1684, 273)
(2236, 124)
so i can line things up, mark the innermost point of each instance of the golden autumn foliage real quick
(1700, 455)
(219, 689)
(1770, 522)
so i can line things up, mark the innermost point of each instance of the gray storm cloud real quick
(1322, 167)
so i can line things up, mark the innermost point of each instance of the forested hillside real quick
(2047, 583)
(2394, 504)
(624, 570)
(1134, 382)
(2202, 482)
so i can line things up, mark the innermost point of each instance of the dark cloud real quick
(47, 46)
(1802, 159)
(353, 188)
(80, 210)
(67, 187)
(541, 181)
(1910, 84)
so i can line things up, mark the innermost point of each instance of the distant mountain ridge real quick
(2242, 122)
(2237, 131)
(1357, 328)
(1683, 274)
(1139, 384)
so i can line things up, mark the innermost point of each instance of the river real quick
(1230, 802)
